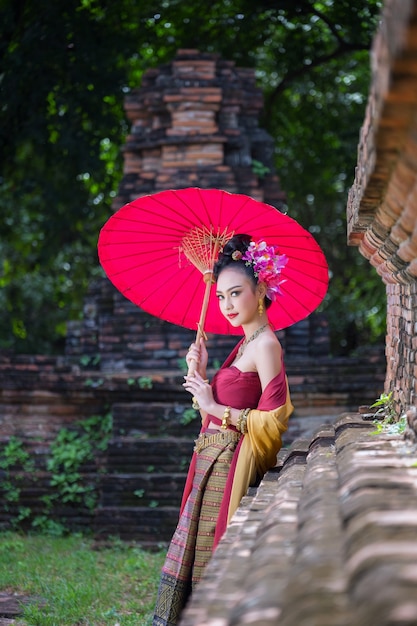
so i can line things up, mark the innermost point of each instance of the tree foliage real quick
(65, 69)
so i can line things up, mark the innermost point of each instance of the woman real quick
(244, 412)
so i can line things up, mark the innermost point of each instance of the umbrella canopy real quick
(146, 250)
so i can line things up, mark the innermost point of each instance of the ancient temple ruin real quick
(195, 123)
(329, 537)
(382, 204)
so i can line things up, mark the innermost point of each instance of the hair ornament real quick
(267, 265)
(237, 255)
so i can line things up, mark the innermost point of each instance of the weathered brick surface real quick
(194, 122)
(115, 335)
(329, 538)
(140, 477)
(401, 347)
(382, 204)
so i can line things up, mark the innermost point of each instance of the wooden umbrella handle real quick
(200, 333)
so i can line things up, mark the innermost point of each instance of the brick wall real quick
(115, 335)
(382, 204)
(195, 123)
(139, 478)
(401, 347)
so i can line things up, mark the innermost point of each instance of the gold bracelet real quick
(242, 425)
(239, 419)
(226, 418)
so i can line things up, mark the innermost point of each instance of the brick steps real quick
(328, 538)
(142, 490)
(151, 447)
(139, 523)
(153, 420)
(141, 456)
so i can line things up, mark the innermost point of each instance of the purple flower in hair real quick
(267, 265)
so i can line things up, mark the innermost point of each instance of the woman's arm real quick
(268, 363)
(203, 393)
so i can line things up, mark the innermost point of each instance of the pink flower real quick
(267, 265)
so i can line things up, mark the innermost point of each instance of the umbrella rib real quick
(181, 286)
(139, 265)
(175, 211)
(141, 249)
(145, 222)
(290, 296)
(149, 293)
(238, 210)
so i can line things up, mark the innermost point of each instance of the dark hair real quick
(238, 243)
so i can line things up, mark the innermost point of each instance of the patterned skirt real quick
(192, 543)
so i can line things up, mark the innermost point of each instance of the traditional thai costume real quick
(224, 464)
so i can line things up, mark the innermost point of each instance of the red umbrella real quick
(159, 251)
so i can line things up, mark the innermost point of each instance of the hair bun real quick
(238, 243)
(232, 252)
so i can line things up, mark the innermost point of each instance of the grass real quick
(78, 585)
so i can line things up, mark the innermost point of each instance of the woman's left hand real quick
(200, 390)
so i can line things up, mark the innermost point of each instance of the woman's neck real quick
(253, 326)
(252, 337)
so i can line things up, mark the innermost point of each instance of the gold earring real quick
(261, 307)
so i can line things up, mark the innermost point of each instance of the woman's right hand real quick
(197, 354)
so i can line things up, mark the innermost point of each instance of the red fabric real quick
(141, 250)
(239, 390)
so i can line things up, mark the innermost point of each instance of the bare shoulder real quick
(268, 358)
(270, 343)
(269, 337)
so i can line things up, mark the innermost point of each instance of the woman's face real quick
(238, 297)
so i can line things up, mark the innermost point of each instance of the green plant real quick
(15, 462)
(183, 463)
(48, 526)
(188, 416)
(91, 382)
(145, 382)
(88, 360)
(390, 428)
(14, 454)
(385, 408)
(70, 450)
(259, 169)
(182, 365)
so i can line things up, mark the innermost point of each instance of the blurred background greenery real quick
(65, 70)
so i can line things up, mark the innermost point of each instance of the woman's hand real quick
(200, 390)
(198, 354)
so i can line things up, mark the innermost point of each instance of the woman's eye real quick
(235, 293)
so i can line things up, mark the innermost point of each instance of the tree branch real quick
(305, 69)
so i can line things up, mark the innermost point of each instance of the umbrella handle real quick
(200, 333)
